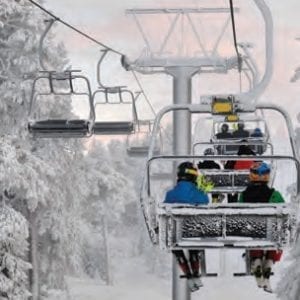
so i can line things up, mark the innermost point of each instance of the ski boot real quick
(192, 285)
(267, 268)
(197, 281)
(256, 270)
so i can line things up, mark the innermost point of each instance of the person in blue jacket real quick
(186, 192)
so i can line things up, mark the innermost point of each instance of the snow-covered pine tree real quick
(106, 212)
(137, 235)
(13, 250)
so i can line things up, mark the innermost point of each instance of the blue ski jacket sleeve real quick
(186, 192)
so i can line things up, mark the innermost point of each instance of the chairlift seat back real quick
(230, 226)
(224, 181)
(138, 143)
(258, 145)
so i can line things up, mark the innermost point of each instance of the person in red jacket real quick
(244, 164)
(239, 165)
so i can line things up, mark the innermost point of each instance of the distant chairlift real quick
(102, 103)
(53, 127)
(224, 112)
(138, 142)
(104, 99)
(258, 144)
(50, 87)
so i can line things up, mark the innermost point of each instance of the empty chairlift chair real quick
(139, 141)
(110, 106)
(114, 107)
(54, 97)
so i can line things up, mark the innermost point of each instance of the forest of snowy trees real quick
(68, 208)
(64, 210)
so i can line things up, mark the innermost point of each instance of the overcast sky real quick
(106, 21)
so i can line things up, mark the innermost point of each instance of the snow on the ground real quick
(132, 282)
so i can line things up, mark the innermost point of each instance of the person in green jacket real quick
(258, 191)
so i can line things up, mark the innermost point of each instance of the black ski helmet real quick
(187, 171)
(209, 151)
(224, 127)
(241, 126)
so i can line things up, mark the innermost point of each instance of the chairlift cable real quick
(73, 28)
(234, 36)
(95, 41)
(240, 79)
(149, 103)
(143, 92)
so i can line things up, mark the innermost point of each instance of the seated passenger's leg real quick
(195, 262)
(267, 269)
(183, 263)
(256, 254)
(272, 256)
(195, 266)
(256, 260)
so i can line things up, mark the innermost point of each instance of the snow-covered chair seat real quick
(113, 128)
(59, 128)
(230, 225)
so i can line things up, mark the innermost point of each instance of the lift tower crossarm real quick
(205, 10)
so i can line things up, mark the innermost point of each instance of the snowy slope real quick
(133, 283)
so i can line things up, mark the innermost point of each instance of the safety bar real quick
(229, 143)
(221, 157)
(120, 92)
(51, 75)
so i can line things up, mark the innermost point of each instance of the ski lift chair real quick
(138, 142)
(101, 100)
(108, 97)
(48, 86)
(258, 144)
(239, 225)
